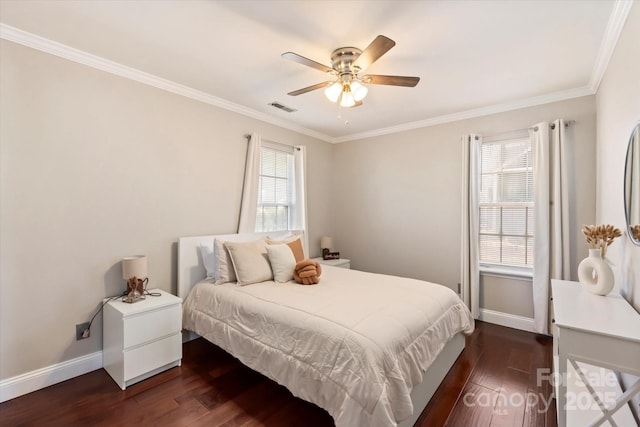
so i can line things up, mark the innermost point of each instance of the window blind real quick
(275, 190)
(506, 203)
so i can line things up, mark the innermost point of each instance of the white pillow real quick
(208, 259)
(250, 261)
(224, 265)
(282, 262)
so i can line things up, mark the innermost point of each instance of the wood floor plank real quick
(489, 370)
(297, 414)
(520, 359)
(212, 388)
(537, 406)
(258, 413)
(511, 403)
(168, 391)
(218, 415)
(183, 414)
(444, 400)
(551, 419)
(474, 408)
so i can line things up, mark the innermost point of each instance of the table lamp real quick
(326, 243)
(134, 271)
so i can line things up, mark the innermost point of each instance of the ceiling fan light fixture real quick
(359, 91)
(347, 99)
(333, 92)
(348, 90)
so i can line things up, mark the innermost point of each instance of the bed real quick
(371, 349)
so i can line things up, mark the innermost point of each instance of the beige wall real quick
(618, 103)
(397, 198)
(506, 295)
(95, 167)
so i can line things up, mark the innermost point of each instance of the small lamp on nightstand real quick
(326, 243)
(134, 271)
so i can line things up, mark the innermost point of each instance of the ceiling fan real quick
(346, 65)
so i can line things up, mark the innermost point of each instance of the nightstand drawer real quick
(145, 358)
(148, 326)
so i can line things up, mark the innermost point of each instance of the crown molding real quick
(470, 114)
(615, 25)
(614, 28)
(617, 19)
(31, 40)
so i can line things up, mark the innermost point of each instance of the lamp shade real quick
(359, 91)
(347, 97)
(134, 266)
(326, 242)
(333, 92)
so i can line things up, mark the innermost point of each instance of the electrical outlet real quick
(80, 328)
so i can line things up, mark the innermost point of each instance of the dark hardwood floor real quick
(493, 383)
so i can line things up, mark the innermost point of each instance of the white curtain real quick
(300, 211)
(470, 274)
(249, 203)
(551, 215)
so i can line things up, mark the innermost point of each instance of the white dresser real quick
(142, 339)
(593, 336)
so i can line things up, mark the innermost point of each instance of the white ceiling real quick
(473, 57)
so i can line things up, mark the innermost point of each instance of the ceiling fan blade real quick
(309, 88)
(377, 79)
(378, 47)
(357, 104)
(306, 61)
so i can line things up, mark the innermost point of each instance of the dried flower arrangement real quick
(635, 232)
(600, 236)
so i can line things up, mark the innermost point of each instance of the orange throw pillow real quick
(296, 248)
(307, 272)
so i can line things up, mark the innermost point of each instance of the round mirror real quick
(632, 186)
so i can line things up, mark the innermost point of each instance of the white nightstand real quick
(142, 339)
(342, 262)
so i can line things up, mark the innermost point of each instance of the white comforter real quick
(355, 344)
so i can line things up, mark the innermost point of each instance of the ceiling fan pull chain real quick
(346, 120)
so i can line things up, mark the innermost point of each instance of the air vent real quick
(282, 107)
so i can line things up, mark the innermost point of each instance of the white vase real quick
(595, 274)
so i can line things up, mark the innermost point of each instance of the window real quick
(506, 203)
(276, 190)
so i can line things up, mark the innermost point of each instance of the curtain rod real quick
(248, 136)
(567, 123)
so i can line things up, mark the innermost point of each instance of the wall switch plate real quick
(80, 328)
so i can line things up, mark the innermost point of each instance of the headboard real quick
(190, 267)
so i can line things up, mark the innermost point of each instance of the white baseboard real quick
(508, 320)
(50, 375)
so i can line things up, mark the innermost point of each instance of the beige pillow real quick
(294, 242)
(250, 261)
(224, 267)
(282, 262)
